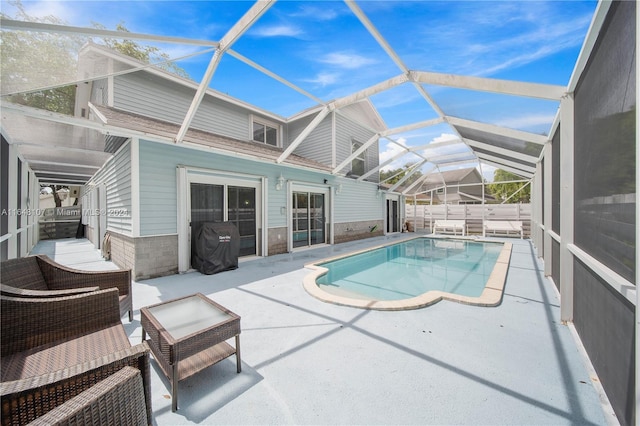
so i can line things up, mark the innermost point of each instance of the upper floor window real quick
(358, 163)
(265, 132)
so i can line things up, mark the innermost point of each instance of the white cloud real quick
(347, 60)
(488, 171)
(277, 31)
(514, 34)
(390, 151)
(527, 121)
(444, 150)
(324, 13)
(324, 79)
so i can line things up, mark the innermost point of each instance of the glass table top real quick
(186, 316)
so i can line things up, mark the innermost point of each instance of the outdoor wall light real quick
(279, 183)
(339, 189)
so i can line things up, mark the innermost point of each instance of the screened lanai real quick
(546, 91)
(470, 140)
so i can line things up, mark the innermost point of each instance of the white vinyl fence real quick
(423, 216)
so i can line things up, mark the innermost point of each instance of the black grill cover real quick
(214, 246)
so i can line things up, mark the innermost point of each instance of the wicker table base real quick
(189, 334)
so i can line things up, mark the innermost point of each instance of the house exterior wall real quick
(352, 231)
(294, 128)
(162, 99)
(115, 179)
(317, 146)
(472, 190)
(348, 131)
(159, 98)
(99, 92)
(147, 257)
(158, 182)
(356, 209)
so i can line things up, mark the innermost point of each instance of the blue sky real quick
(323, 48)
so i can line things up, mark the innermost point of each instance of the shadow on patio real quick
(309, 362)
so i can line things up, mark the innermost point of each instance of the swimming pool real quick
(413, 274)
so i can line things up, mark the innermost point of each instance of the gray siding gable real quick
(158, 98)
(348, 131)
(317, 146)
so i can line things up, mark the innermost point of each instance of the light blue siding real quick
(158, 186)
(158, 200)
(116, 175)
(357, 201)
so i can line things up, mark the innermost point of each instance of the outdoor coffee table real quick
(189, 334)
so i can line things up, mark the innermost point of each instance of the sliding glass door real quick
(308, 219)
(241, 211)
(207, 203)
(235, 204)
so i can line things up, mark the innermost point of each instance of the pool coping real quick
(491, 295)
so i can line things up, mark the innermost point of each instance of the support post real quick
(12, 244)
(635, 414)
(566, 206)
(547, 210)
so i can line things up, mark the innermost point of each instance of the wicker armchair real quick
(117, 400)
(39, 276)
(53, 349)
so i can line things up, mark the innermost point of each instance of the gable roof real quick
(450, 177)
(162, 130)
(91, 51)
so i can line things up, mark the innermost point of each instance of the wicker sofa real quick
(53, 349)
(39, 276)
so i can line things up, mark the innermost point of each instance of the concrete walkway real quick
(309, 362)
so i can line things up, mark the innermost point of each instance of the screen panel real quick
(605, 145)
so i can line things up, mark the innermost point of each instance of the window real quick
(358, 163)
(265, 133)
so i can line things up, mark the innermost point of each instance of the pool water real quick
(411, 268)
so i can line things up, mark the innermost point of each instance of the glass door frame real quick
(388, 214)
(188, 175)
(327, 192)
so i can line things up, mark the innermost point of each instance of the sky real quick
(323, 48)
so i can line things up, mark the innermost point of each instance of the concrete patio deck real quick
(309, 362)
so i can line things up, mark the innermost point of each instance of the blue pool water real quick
(411, 268)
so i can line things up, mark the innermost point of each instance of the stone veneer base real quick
(147, 257)
(157, 256)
